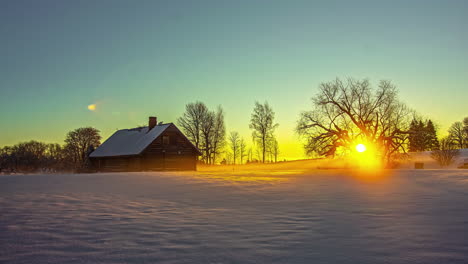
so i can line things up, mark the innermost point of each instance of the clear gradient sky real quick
(140, 58)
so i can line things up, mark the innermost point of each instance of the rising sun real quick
(361, 148)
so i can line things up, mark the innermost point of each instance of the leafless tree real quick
(191, 121)
(465, 126)
(234, 143)
(457, 134)
(205, 128)
(55, 151)
(55, 157)
(275, 149)
(29, 156)
(352, 111)
(78, 142)
(465, 129)
(270, 150)
(242, 150)
(250, 155)
(259, 155)
(263, 126)
(219, 133)
(33, 156)
(446, 154)
(207, 132)
(228, 159)
(6, 159)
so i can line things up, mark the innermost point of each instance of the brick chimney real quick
(152, 122)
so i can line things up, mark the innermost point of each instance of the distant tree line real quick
(343, 114)
(34, 156)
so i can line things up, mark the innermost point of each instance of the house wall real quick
(177, 154)
(131, 163)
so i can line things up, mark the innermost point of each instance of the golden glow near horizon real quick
(366, 157)
(360, 148)
(92, 107)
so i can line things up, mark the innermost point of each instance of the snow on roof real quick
(128, 141)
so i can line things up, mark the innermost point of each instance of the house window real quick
(165, 140)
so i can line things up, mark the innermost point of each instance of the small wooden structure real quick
(155, 147)
(419, 165)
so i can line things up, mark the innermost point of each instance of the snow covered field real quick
(405, 216)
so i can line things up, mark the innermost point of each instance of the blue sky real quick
(139, 58)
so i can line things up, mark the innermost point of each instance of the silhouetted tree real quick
(263, 126)
(416, 136)
(234, 143)
(457, 134)
(78, 142)
(205, 128)
(275, 149)
(191, 121)
(207, 132)
(242, 150)
(446, 154)
(348, 112)
(430, 140)
(228, 159)
(29, 155)
(465, 126)
(55, 158)
(8, 160)
(32, 156)
(249, 155)
(422, 136)
(219, 133)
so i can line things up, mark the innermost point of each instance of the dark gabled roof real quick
(129, 142)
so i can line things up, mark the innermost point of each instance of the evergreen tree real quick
(417, 136)
(423, 136)
(431, 141)
(412, 136)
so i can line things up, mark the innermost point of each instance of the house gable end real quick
(158, 144)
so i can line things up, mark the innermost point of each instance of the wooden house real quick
(155, 147)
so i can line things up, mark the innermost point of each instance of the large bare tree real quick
(263, 126)
(348, 112)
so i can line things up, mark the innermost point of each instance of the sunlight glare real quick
(361, 148)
